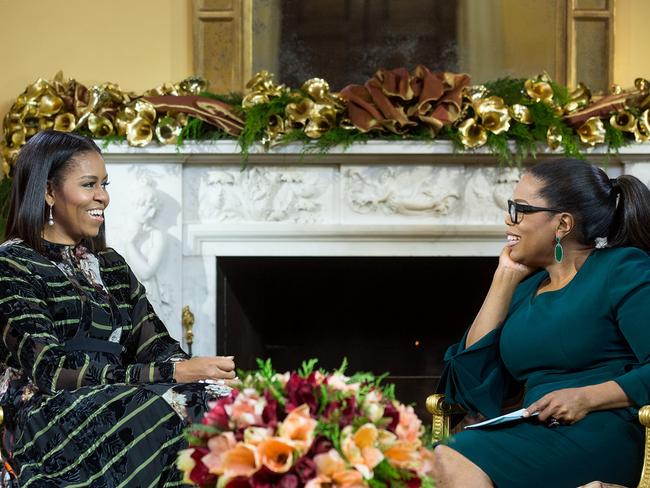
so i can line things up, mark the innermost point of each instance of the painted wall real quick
(136, 44)
(141, 44)
(631, 53)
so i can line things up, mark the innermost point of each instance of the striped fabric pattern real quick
(82, 414)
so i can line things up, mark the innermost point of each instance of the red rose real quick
(393, 414)
(299, 391)
(217, 414)
(200, 474)
(349, 412)
(304, 469)
(270, 412)
(265, 478)
(239, 482)
(330, 409)
(311, 379)
(289, 480)
(414, 482)
(320, 445)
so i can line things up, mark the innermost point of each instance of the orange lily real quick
(299, 427)
(219, 446)
(242, 460)
(276, 454)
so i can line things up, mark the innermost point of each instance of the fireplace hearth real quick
(384, 314)
(326, 226)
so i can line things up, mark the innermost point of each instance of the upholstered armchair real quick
(442, 412)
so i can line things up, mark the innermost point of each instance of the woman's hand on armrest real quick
(205, 368)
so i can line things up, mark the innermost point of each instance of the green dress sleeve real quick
(629, 297)
(476, 377)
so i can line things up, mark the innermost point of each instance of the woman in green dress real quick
(94, 390)
(567, 318)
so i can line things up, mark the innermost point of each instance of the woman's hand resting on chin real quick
(514, 270)
(205, 368)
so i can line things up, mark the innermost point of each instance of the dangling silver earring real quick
(50, 219)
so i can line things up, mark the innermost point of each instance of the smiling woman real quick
(564, 321)
(80, 200)
(93, 389)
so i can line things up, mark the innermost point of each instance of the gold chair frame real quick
(442, 411)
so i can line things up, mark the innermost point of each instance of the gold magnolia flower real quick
(538, 90)
(490, 114)
(642, 132)
(592, 132)
(521, 114)
(472, 134)
(298, 112)
(553, 137)
(578, 98)
(262, 88)
(623, 120)
(493, 114)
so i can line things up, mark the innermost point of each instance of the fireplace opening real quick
(391, 315)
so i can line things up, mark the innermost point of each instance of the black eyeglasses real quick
(516, 209)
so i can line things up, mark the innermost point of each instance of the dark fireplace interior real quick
(384, 314)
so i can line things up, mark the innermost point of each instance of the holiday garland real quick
(528, 114)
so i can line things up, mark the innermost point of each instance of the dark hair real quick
(45, 157)
(618, 209)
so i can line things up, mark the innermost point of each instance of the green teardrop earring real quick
(559, 252)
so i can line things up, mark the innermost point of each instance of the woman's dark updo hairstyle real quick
(47, 156)
(618, 209)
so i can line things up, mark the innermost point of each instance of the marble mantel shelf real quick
(176, 211)
(408, 152)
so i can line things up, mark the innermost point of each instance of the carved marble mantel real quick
(174, 211)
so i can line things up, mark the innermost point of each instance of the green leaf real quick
(498, 144)
(307, 367)
(510, 89)
(343, 367)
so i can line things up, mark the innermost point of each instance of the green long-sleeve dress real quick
(87, 373)
(595, 329)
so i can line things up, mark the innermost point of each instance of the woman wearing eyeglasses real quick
(567, 318)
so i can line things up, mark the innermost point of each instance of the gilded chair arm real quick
(644, 418)
(2, 416)
(441, 412)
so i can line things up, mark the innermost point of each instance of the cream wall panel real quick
(137, 44)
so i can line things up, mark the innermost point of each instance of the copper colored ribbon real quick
(212, 111)
(396, 100)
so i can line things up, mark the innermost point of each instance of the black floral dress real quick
(87, 373)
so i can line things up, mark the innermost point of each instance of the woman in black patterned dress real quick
(94, 390)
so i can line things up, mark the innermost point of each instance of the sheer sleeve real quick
(151, 339)
(629, 293)
(35, 342)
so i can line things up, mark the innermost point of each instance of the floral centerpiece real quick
(308, 428)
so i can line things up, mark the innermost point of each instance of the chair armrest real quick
(2, 417)
(644, 418)
(441, 412)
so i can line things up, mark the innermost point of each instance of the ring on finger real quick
(552, 422)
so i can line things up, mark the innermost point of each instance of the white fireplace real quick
(174, 212)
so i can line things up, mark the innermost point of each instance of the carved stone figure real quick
(261, 194)
(146, 243)
(403, 190)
